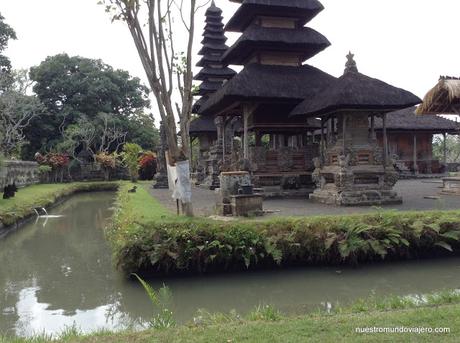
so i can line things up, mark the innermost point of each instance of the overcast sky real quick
(407, 43)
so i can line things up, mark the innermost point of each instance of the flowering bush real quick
(54, 160)
(147, 165)
(107, 160)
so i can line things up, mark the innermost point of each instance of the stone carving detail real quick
(285, 161)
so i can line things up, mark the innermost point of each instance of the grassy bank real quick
(43, 195)
(265, 324)
(146, 237)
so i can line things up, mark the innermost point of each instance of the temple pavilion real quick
(410, 141)
(274, 43)
(212, 75)
(353, 169)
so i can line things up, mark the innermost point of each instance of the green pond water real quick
(58, 273)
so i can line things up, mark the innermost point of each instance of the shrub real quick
(108, 163)
(147, 165)
(130, 155)
(172, 244)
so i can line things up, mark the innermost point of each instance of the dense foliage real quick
(130, 156)
(92, 106)
(6, 33)
(167, 244)
(147, 165)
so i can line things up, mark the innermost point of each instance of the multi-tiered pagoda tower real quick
(273, 45)
(213, 74)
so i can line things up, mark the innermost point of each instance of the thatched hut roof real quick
(208, 72)
(407, 120)
(354, 91)
(268, 83)
(202, 125)
(304, 10)
(444, 98)
(306, 41)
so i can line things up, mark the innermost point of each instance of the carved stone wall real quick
(23, 173)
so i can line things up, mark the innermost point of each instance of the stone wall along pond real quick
(23, 173)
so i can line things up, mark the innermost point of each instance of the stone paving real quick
(412, 191)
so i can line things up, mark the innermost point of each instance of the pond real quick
(59, 273)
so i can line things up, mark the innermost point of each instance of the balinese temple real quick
(276, 149)
(213, 74)
(353, 169)
(410, 141)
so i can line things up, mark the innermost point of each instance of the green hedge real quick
(167, 244)
(44, 195)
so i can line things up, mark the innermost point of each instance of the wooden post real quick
(344, 131)
(385, 140)
(321, 147)
(373, 127)
(246, 114)
(415, 154)
(445, 148)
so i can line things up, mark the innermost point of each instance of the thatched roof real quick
(305, 41)
(444, 98)
(407, 120)
(304, 10)
(213, 9)
(210, 47)
(354, 91)
(268, 83)
(208, 72)
(202, 125)
(207, 87)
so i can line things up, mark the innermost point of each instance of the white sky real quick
(407, 43)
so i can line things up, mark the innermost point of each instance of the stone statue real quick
(350, 66)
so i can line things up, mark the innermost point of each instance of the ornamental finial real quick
(350, 66)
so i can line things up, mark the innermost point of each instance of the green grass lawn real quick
(441, 310)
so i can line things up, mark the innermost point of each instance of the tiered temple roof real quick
(213, 72)
(272, 47)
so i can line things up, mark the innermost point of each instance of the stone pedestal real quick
(231, 201)
(354, 171)
(246, 205)
(451, 185)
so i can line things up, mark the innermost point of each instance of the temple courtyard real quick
(418, 195)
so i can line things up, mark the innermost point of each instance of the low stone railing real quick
(23, 173)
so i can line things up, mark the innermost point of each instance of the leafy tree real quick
(452, 148)
(130, 155)
(6, 33)
(77, 90)
(17, 111)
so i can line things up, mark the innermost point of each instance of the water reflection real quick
(61, 275)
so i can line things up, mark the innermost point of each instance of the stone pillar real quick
(373, 136)
(161, 177)
(444, 148)
(246, 114)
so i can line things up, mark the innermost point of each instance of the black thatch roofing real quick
(304, 10)
(268, 83)
(219, 37)
(209, 59)
(202, 125)
(305, 41)
(207, 87)
(224, 72)
(197, 105)
(213, 9)
(212, 48)
(214, 19)
(355, 91)
(214, 27)
(407, 120)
